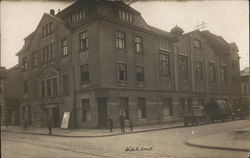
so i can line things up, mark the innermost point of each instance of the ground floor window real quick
(167, 107)
(124, 110)
(86, 114)
(141, 108)
(189, 103)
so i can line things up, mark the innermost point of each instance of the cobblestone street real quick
(163, 143)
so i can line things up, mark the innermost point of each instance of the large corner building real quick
(98, 59)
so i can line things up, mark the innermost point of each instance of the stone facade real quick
(100, 59)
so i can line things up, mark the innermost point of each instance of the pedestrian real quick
(122, 123)
(25, 125)
(111, 123)
(49, 125)
(131, 125)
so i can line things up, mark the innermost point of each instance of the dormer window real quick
(125, 15)
(76, 16)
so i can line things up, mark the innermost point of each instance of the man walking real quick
(122, 123)
(111, 123)
(49, 124)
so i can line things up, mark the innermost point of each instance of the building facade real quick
(2, 91)
(13, 94)
(98, 59)
(245, 86)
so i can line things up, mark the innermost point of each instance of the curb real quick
(215, 147)
(97, 136)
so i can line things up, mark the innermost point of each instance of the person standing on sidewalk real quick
(122, 123)
(49, 124)
(111, 123)
(25, 125)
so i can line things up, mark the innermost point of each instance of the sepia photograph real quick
(124, 79)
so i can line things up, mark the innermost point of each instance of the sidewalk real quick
(237, 140)
(85, 133)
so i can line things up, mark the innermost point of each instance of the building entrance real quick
(102, 113)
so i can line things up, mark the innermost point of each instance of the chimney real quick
(52, 12)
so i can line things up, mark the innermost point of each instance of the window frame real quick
(83, 41)
(183, 67)
(120, 40)
(165, 63)
(84, 73)
(121, 66)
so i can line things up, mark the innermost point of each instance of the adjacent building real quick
(2, 90)
(245, 86)
(98, 59)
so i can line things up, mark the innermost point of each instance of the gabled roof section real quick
(163, 33)
(28, 40)
(216, 42)
(77, 5)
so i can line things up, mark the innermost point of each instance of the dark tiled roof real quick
(216, 42)
(163, 33)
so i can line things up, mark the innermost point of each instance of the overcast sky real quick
(228, 18)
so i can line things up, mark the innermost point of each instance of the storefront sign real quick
(65, 120)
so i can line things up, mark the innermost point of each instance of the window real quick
(125, 15)
(35, 59)
(212, 72)
(124, 110)
(47, 29)
(120, 40)
(182, 104)
(48, 53)
(49, 87)
(183, 67)
(198, 71)
(25, 63)
(140, 73)
(80, 14)
(84, 73)
(83, 38)
(197, 43)
(122, 71)
(167, 107)
(138, 45)
(55, 87)
(223, 73)
(164, 44)
(165, 65)
(65, 84)
(86, 113)
(65, 47)
(141, 108)
(42, 88)
(26, 87)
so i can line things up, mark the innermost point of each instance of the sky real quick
(227, 18)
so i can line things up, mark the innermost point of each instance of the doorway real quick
(102, 113)
(55, 116)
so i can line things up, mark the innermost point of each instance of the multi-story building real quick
(208, 67)
(13, 94)
(2, 91)
(245, 85)
(98, 59)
